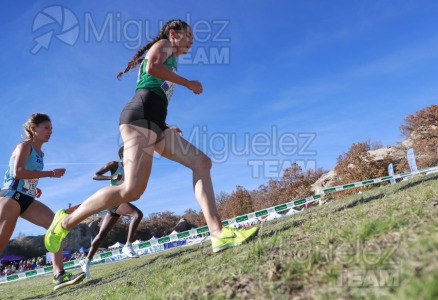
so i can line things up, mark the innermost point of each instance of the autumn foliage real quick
(359, 164)
(294, 184)
(421, 131)
(239, 202)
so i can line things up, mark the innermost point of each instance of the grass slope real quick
(381, 244)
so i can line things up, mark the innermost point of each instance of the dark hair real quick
(34, 120)
(175, 24)
(121, 152)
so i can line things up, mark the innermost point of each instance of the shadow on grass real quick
(36, 297)
(61, 292)
(417, 182)
(385, 193)
(362, 200)
(284, 227)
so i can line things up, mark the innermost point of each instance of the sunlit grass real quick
(381, 244)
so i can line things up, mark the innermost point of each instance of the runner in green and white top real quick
(163, 88)
(144, 131)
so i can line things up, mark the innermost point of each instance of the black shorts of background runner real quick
(147, 110)
(113, 210)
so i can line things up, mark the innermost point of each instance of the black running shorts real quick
(147, 110)
(113, 210)
(23, 200)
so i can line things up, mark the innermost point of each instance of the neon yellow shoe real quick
(55, 234)
(231, 237)
(65, 279)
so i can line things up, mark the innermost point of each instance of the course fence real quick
(166, 242)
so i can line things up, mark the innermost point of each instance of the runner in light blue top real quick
(23, 186)
(17, 198)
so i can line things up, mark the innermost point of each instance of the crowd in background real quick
(83, 254)
(248, 224)
(22, 265)
(36, 263)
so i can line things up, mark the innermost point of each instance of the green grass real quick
(381, 244)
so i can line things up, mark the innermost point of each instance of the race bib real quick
(29, 186)
(169, 87)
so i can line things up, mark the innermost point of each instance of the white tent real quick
(174, 232)
(291, 212)
(116, 245)
(137, 242)
(247, 223)
(273, 216)
(153, 238)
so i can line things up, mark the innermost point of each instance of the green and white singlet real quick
(163, 88)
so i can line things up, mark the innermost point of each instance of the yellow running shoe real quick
(65, 279)
(231, 237)
(55, 234)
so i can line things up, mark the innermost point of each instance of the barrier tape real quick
(158, 244)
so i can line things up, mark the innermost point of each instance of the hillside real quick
(381, 244)
(393, 154)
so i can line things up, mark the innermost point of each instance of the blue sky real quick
(284, 81)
